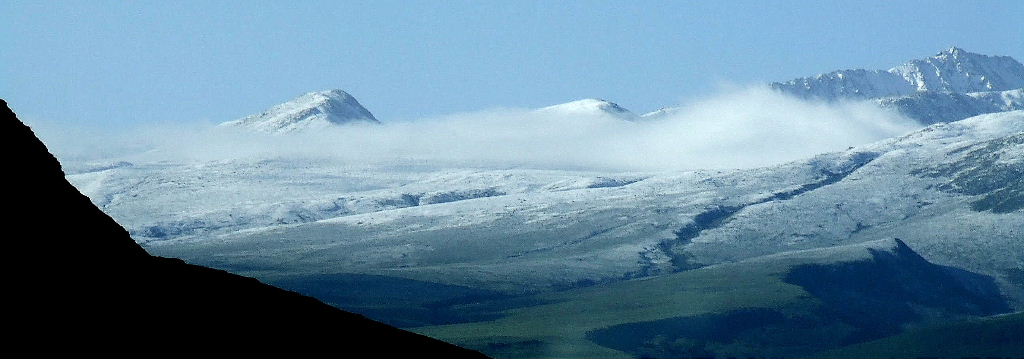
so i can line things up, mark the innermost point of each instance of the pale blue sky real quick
(122, 62)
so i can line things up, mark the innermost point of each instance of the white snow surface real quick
(310, 111)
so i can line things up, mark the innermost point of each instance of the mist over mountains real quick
(746, 128)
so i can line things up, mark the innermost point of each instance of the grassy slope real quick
(559, 328)
(1000, 336)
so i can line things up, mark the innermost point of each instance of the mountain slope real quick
(313, 110)
(78, 283)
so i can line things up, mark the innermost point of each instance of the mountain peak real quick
(591, 107)
(335, 94)
(318, 109)
(952, 50)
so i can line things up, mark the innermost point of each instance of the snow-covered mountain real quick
(952, 70)
(590, 108)
(313, 110)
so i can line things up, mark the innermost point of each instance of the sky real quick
(121, 63)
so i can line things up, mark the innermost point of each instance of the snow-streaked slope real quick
(310, 111)
(590, 108)
(932, 107)
(952, 70)
(951, 191)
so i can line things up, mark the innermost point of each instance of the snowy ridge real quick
(313, 110)
(952, 70)
(590, 107)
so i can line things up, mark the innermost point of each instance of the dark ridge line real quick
(579, 240)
